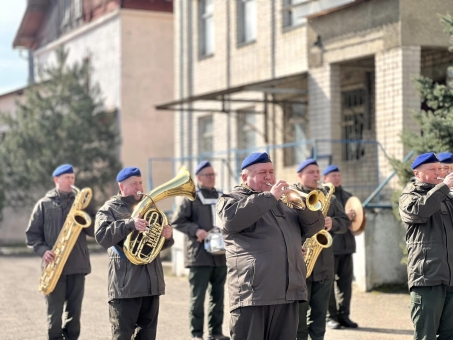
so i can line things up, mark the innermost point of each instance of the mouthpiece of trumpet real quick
(440, 178)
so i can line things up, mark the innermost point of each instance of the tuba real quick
(321, 239)
(76, 220)
(143, 247)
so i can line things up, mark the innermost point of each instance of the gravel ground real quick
(22, 308)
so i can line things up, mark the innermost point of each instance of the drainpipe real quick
(181, 77)
(31, 68)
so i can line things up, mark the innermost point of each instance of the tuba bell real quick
(143, 247)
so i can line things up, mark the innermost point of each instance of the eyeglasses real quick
(208, 175)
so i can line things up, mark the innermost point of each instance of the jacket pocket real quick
(250, 275)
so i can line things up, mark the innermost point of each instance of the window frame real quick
(203, 17)
(241, 23)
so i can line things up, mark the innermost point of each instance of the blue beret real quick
(424, 158)
(63, 169)
(331, 168)
(445, 157)
(306, 163)
(128, 172)
(201, 166)
(255, 158)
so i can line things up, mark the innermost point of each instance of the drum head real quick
(355, 204)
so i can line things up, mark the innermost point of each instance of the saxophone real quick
(76, 220)
(143, 247)
(321, 239)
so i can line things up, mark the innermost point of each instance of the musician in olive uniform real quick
(266, 272)
(446, 163)
(320, 282)
(133, 290)
(343, 248)
(46, 222)
(426, 210)
(196, 220)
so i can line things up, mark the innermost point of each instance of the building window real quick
(355, 116)
(206, 27)
(293, 13)
(246, 129)
(205, 135)
(296, 125)
(246, 21)
(72, 14)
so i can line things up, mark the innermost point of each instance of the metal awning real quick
(276, 91)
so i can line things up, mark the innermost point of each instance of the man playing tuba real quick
(320, 282)
(47, 219)
(134, 290)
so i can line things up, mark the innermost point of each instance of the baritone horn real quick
(143, 247)
(300, 200)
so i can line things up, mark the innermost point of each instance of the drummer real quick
(343, 248)
(197, 219)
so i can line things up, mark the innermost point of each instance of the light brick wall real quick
(396, 98)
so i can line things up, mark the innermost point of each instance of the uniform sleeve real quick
(168, 243)
(109, 231)
(340, 221)
(236, 215)
(35, 230)
(415, 208)
(310, 222)
(182, 219)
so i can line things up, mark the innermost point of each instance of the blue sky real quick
(13, 64)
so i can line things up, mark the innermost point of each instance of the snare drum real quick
(213, 243)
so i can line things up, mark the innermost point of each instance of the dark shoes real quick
(217, 337)
(346, 322)
(333, 324)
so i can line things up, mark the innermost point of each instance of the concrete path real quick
(22, 307)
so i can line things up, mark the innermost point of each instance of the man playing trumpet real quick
(320, 282)
(266, 272)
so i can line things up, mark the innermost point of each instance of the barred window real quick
(354, 109)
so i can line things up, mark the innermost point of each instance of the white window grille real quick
(293, 14)
(206, 27)
(246, 21)
(246, 129)
(296, 130)
(205, 135)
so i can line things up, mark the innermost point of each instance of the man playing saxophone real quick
(134, 290)
(266, 271)
(320, 282)
(46, 221)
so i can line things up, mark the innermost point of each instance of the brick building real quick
(330, 79)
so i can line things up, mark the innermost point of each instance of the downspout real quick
(228, 84)
(189, 80)
(31, 68)
(181, 78)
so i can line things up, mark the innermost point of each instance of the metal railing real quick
(363, 163)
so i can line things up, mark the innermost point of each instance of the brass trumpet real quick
(300, 200)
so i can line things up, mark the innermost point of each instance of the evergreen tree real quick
(435, 119)
(62, 120)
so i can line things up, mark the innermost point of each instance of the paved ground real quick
(22, 307)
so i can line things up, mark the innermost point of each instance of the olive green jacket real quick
(125, 279)
(46, 221)
(263, 247)
(427, 213)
